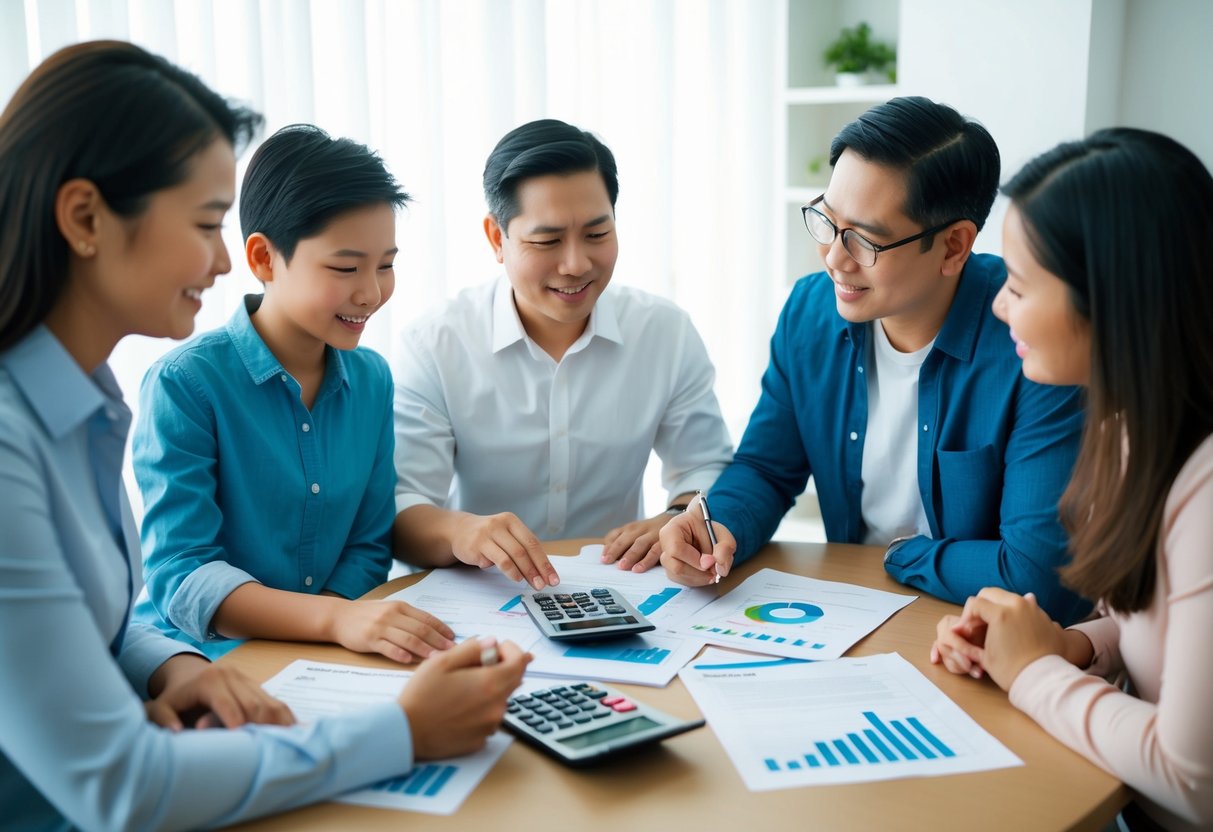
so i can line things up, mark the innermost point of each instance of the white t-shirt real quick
(891, 504)
(487, 422)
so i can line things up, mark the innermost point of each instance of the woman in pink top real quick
(1110, 285)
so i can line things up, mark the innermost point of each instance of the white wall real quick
(1167, 71)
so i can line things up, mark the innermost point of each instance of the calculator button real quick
(579, 595)
(523, 700)
(623, 707)
(560, 691)
(581, 719)
(562, 597)
(541, 596)
(587, 706)
(571, 614)
(570, 710)
(600, 591)
(611, 700)
(553, 616)
(616, 610)
(595, 693)
(542, 729)
(576, 699)
(564, 723)
(513, 709)
(600, 714)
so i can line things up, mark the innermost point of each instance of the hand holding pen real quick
(696, 551)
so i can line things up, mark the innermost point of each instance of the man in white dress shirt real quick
(527, 408)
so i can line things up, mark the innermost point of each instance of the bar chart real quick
(898, 740)
(758, 636)
(612, 653)
(423, 781)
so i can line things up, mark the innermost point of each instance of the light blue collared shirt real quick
(242, 483)
(75, 744)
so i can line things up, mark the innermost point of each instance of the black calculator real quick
(584, 723)
(593, 614)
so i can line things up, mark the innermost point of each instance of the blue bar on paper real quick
(793, 763)
(915, 741)
(847, 754)
(653, 603)
(422, 777)
(747, 635)
(931, 738)
(818, 646)
(764, 637)
(890, 736)
(812, 761)
(510, 604)
(714, 630)
(827, 754)
(863, 749)
(780, 639)
(798, 642)
(446, 774)
(771, 764)
(880, 746)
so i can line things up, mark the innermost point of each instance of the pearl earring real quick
(85, 248)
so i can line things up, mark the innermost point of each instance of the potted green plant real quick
(854, 56)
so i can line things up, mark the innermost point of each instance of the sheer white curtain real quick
(683, 91)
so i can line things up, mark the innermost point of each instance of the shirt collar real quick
(58, 391)
(508, 329)
(261, 364)
(958, 335)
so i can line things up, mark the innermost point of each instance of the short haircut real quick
(301, 179)
(541, 148)
(951, 163)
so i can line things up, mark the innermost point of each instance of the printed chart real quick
(317, 689)
(789, 615)
(787, 724)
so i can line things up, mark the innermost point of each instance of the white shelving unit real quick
(812, 110)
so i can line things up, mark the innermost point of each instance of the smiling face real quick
(1050, 336)
(559, 253)
(910, 290)
(333, 284)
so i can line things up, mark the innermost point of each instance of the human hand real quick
(398, 630)
(636, 547)
(687, 553)
(504, 541)
(193, 692)
(453, 702)
(957, 638)
(1018, 632)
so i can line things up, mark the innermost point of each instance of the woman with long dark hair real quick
(1110, 285)
(116, 170)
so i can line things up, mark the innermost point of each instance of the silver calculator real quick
(583, 722)
(591, 614)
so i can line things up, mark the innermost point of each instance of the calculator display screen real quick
(610, 732)
(595, 622)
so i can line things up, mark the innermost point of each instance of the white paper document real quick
(476, 602)
(788, 615)
(317, 689)
(786, 723)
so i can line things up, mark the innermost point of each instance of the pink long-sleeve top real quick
(1158, 741)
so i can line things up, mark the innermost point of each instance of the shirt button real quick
(307, 581)
(315, 488)
(861, 369)
(924, 427)
(854, 436)
(306, 427)
(111, 413)
(284, 376)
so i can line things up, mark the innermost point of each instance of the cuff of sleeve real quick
(407, 501)
(383, 748)
(698, 481)
(194, 603)
(1044, 670)
(894, 545)
(363, 574)
(1103, 663)
(143, 650)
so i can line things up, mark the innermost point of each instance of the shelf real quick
(868, 94)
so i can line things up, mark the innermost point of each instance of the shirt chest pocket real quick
(969, 489)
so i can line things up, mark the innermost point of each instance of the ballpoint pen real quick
(707, 521)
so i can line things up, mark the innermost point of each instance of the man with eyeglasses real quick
(892, 383)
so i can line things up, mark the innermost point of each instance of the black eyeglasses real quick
(862, 250)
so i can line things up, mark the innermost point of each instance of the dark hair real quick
(1123, 218)
(538, 149)
(951, 163)
(301, 179)
(109, 112)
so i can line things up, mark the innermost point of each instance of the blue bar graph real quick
(894, 741)
(423, 781)
(612, 653)
(653, 603)
(510, 604)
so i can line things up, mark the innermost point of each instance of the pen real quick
(707, 521)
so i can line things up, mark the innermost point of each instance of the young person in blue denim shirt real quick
(264, 449)
(890, 383)
(109, 230)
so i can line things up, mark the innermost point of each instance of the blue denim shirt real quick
(242, 483)
(76, 747)
(995, 450)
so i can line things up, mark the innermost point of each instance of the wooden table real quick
(688, 782)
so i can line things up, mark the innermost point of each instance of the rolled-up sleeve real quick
(425, 438)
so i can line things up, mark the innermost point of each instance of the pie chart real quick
(784, 612)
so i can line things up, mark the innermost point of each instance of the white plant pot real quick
(850, 79)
